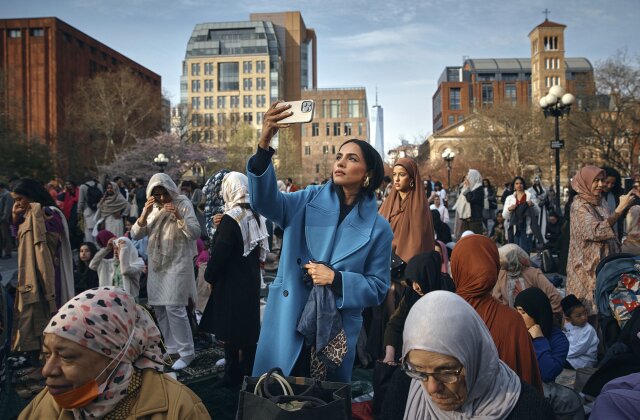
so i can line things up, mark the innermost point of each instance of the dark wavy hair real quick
(617, 187)
(375, 167)
(34, 191)
(513, 183)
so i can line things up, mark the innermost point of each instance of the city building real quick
(233, 71)
(340, 114)
(405, 150)
(482, 82)
(377, 127)
(42, 60)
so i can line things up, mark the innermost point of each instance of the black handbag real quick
(276, 397)
(382, 373)
(397, 267)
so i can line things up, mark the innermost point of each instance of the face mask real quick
(84, 394)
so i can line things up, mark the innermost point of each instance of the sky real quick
(399, 47)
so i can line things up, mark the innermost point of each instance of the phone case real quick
(302, 112)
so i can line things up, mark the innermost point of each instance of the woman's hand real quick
(270, 124)
(626, 201)
(512, 207)
(320, 273)
(148, 207)
(217, 218)
(17, 211)
(173, 209)
(535, 331)
(390, 355)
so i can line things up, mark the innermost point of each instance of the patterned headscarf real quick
(582, 182)
(102, 320)
(214, 203)
(512, 260)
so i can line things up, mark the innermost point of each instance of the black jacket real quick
(476, 200)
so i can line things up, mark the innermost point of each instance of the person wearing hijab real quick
(516, 275)
(475, 263)
(592, 235)
(472, 204)
(103, 360)
(519, 219)
(551, 347)
(118, 264)
(45, 266)
(442, 230)
(233, 310)
(542, 198)
(455, 370)
(168, 219)
(442, 209)
(111, 208)
(214, 203)
(334, 233)
(407, 210)
(424, 273)
(84, 277)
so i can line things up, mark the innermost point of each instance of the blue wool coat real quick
(360, 248)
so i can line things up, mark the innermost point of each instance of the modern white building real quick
(377, 128)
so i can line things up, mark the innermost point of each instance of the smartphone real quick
(302, 112)
(628, 185)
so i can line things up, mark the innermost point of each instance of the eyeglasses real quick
(445, 377)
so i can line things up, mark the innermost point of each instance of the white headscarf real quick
(475, 179)
(442, 322)
(235, 192)
(165, 227)
(512, 260)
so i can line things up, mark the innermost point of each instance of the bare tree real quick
(113, 109)
(287, 163)
(609, 123)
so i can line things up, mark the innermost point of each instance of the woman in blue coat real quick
(337, 224)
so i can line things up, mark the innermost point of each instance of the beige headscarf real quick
(442, 322)
(512, 260)
(114, 204)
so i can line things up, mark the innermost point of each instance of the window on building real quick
(195, 86)
(454, 99)
(486, 77)
(247, 101)
(247, 67)
(234, 101)
(460, 118)
(222, 118)
(347, 128)
(317, 168)
(327, 130)
(228, 77)
(222, 102)
(208, 120)
(333, 149)
(529, 92)
(248, 117)
(325, 108)
(208, 102)
(510, 94)
(234, 117)
(195, 102)
(261, 66)
(208, 68)
(259, 117)
(16, 33)
(451, 119)
(207, 136)
(195, 137)
(208, 85)
(38, 32)
(510, 77)
(195, 69)
(247, 84)
(335, 108)
(195, 120)
(360, 128)
(261, 83)
(353, 108)
(325, 149)
(261, 101)
(336, 128)
(307, 150)
(487, 94)
(315, 129)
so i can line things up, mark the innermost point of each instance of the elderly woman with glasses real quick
(454, 367)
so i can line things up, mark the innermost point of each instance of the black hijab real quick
(85, 278)
(536, 304)
(425, 270)
(441, 229)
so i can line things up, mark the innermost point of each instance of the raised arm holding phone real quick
(334, 235)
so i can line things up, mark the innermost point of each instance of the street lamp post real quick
(161, 160)
(557, 104)
(448, 155)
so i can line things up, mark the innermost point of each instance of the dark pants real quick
(6, 241)
(236, 369)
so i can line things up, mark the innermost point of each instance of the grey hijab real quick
(442, 322)
(512, 260)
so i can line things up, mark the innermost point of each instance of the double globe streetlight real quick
(161, 160)
(448, 155)
(557, 104)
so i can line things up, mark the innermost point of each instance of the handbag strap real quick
(260, 387)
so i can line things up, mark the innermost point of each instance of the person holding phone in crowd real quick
(332, 232)
(168, 219)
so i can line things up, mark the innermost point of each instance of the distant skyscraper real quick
(377, 127)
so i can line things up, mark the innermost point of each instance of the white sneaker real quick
(183, 362)
(221, 362)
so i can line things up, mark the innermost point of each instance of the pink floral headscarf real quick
(103, 319)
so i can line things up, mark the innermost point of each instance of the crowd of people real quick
(369, 273)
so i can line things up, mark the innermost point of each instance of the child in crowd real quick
(497, 232)
(583, 340)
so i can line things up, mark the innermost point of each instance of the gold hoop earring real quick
(366, 182)
(412, 184)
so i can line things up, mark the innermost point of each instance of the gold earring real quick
(366, 182)
(412, 184)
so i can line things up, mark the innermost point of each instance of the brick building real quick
(42, 59)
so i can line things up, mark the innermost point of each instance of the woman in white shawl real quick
(168, 219)
(470, 203)
(118, 264)
(237, 249)
(456, 373)
(111, 208)
(442, 209)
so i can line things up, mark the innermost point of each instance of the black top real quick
(530, 406)
(476, 200)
